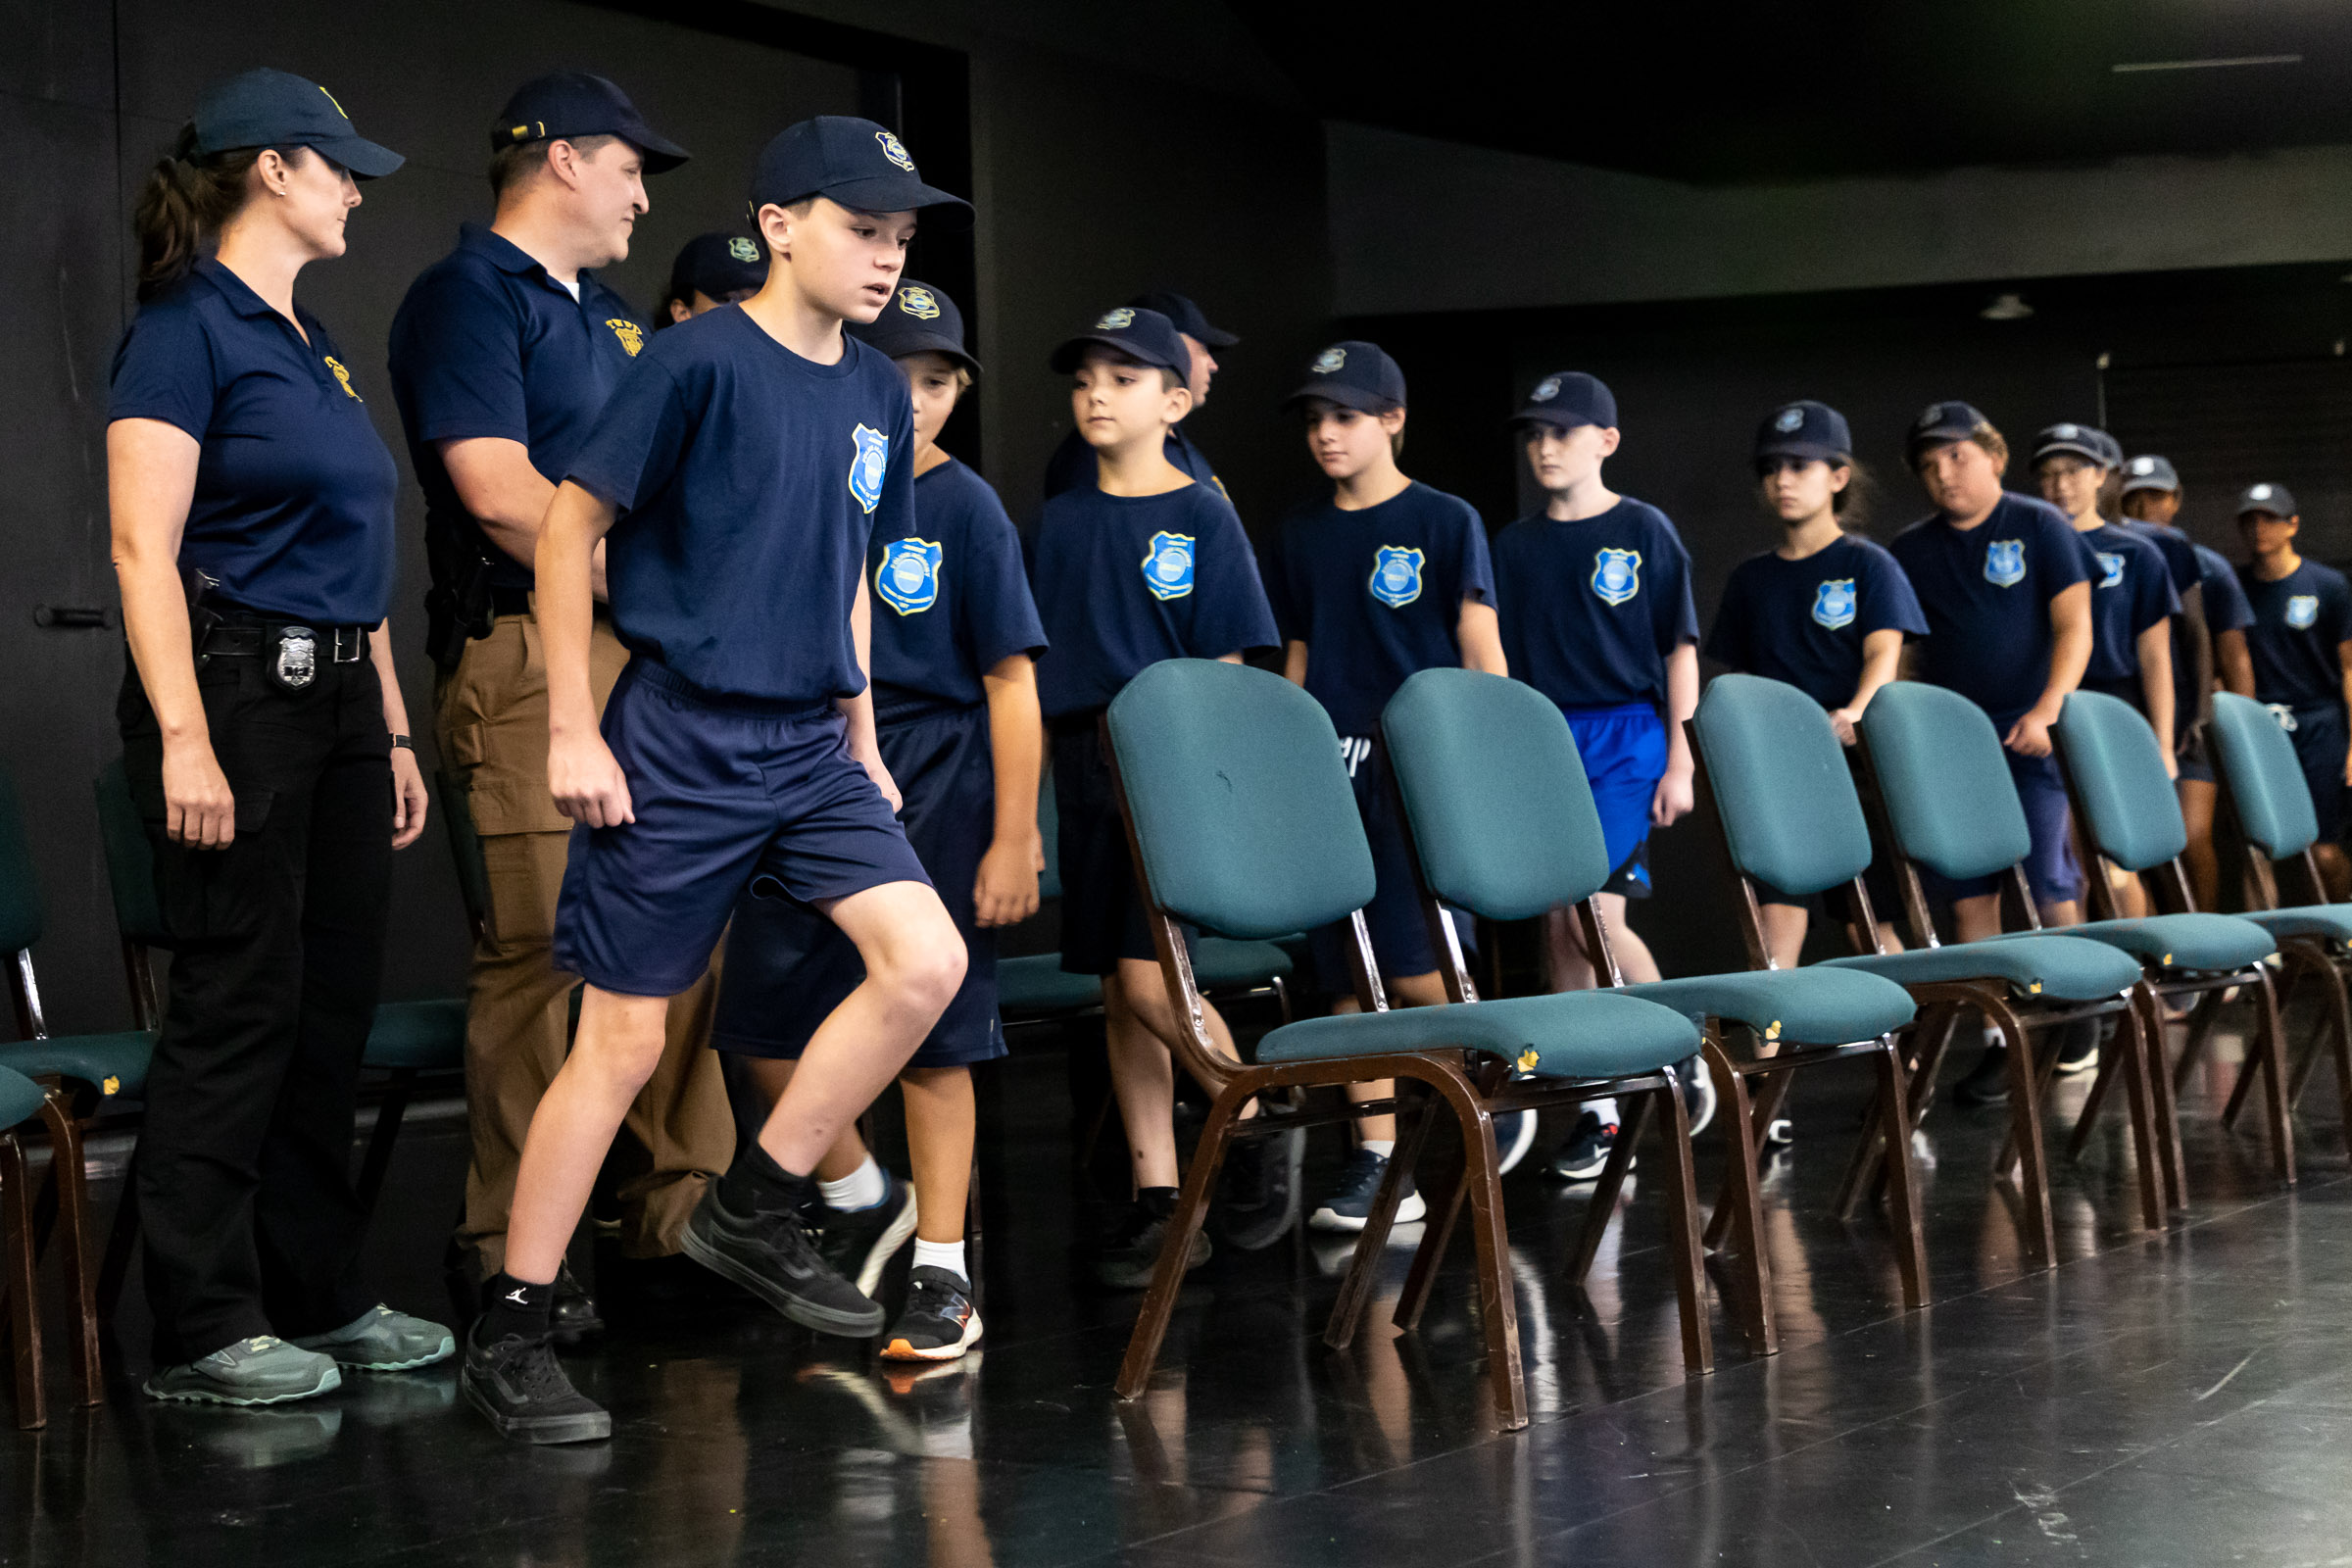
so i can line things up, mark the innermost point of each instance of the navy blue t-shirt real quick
(951, 594)
(749, 480)
(1591, 609)
(1803, 622)
(1126, 581)
(2299, 621)
(294, 488)
(488, 344)
(1987, 593)
(1074, 466)
(2132, 591)
(2179, 552)
(1377, 595)
(2226, 606)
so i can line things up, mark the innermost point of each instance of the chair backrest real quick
(1049, 828)
(465, 847)
(130, 860)
(1494, 793)
(1781, 784)
(1950, 802)
(2266, 781)
(20, 888)
(1241, 804)
(2129, 812)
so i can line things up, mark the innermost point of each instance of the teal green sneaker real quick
(262, 1370)
(381, 1340)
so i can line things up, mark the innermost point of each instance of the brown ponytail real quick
(187, 198)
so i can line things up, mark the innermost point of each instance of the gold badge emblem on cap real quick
(919, 302)
(894, 150)
(1117, 320)
(742, 250)
(1329, 361)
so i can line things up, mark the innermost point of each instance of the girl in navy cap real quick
(1385, 578)
(266, 747)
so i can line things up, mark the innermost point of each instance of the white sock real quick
(1605, 1109)
(862, 1188)
(1384, 1148)
(941, 1255)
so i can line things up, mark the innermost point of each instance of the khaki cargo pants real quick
(680, 1134)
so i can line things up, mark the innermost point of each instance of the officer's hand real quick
(2030, 736)
(408, 798)
(1673, 799)
(200, 811)
(1842, 720)
(588, 784)
(1006, 893)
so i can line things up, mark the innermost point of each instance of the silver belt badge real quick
(297, 663)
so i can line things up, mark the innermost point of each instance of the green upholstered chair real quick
(1244, 826)
(23, 1103)
(1502, 823)
(1785, 797)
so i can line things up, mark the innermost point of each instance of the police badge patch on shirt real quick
(1168, 567)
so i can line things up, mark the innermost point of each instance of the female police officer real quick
(265, 736)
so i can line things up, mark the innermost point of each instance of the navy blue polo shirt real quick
(2226, 606)
(294, 488)
(2131, 592)
(1591, 609)
(2179, 552)
(2300, 623)
(1377, 595)
(1073, 465)
(488, 344)
(1126, 581)
(749, 481)
(1987, 593)
(1803, 622)
(951, 594)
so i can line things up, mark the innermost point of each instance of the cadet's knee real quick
(924, 968)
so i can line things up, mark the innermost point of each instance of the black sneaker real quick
(520, 1388)
(769, 1252)
(2079, 1048)
(1132, 1251)
(1258, 1191)
(939, 1322)
(1988, 1082)
(1780, 1132)
(572, 1319)
(1586, 1151)
(1360, 1184)
(1514, 1136)
(859, 1242)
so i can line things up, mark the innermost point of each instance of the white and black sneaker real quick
(770, 1253)
(520, 1389)
(1359, 1184)
(1514, 1136)
(859, 1242)
(1586, 1151)
(939, 1322)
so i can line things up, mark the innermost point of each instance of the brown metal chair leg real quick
(74, 1237)
(1442, 1198)
(1167, 1277)
(2340, 1004)
(2110, 1064)
(2147, 1142)
(1363, 1270)
(2201, 1020)
(1771, 1089)
(1603, 1205)
(24, 1309)
(2024, 1124)
(1932, 1035)
(1498, 1303)
(1902, 1178)
(2165, 1107)
(1741, 1204)
(1681, 1229)
(2268, 1039)
(2045, 1073)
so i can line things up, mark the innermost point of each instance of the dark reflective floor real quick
(2182, 1399)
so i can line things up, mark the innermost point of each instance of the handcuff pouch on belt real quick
(458, 608)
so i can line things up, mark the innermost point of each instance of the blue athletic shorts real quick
(2051, 869)
(788, 967)
(1102, 911)
(2319, 742)
(1624, 750)
(1400, 943)
(729, 792)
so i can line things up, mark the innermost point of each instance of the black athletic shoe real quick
(1132, 1251)
(1359, 1186)
(1586, 1151)
(1257, 1197)
(939, 1322)
(859, 1242)
(520, 1388)
(2079, 1048)
(769, 1252)
(572, 1319)
(1988, 1082)
(1780, 1132)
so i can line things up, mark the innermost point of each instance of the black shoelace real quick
(530, 1365)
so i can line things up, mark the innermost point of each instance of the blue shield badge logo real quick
(2302, 610)
(869, 462)
(1168, 567)
(1616, 575)
(1833, 603)
(2111, 570)
(2005, 563)
(908, 579)
(1397, 575)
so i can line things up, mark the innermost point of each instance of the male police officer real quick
(501, 357)
(1072, 465)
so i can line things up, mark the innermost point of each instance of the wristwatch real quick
(403, 743)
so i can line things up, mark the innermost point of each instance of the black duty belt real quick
(510, 601)
(291, 650)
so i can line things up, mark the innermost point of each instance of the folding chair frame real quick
(62, 1204)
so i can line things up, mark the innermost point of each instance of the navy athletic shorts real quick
(1101, 912)
(788, 967)
(729, 793)
(1624, 752)
(1400, 943)
(2051, 869)
(2319, 734)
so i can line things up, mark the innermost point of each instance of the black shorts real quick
(2319, 734)
(1400, 943)
(1101, 912)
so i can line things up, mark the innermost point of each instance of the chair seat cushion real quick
(113, 1065)
(1027, 986)
(1220, 963)
(1818, 1006)
(2216, 943)
(2058, 968)
(1577, 1034)
(2329, 922)
(20, 1098)
(423, 1035)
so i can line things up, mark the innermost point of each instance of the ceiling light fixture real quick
(2134, 67)
(2006, 307)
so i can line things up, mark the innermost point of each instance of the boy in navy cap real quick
(737, 475)
(711, 270)
(1142, 566)
(955, 645)
(1595, 595)
(2301, 648)
(503, 355)
(1385, 578)
(1073, 466)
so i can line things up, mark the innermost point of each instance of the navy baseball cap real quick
(1143, 334)
(1355, 375)
(275, 108)
(1187, 316)
(1568, 399)
(2150, 474)
(1940, 424)
(564, 104)
(718, 266)
(2074, 440)
(2275, 499)
(854, 162)
(1805, 430)
(919, 319)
